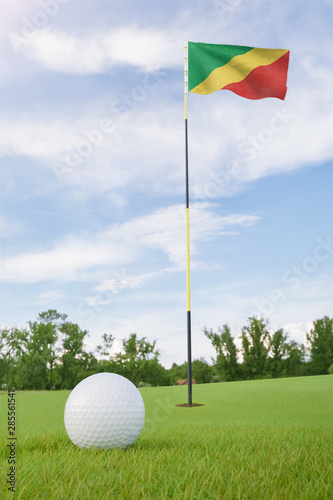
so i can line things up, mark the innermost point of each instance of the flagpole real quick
(189, 347)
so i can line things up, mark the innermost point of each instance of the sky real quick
(93, 171)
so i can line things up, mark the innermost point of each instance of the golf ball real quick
(104, 411)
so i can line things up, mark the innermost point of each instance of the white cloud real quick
(36, 139)
(65, 261)
(122, 280)
(81, 258)
(230, 146)
(107, 289)
(165, 228)
(65, 53)
(253, 143)
(75, 148)
(49, 297)
(146, 49)
(295, 330)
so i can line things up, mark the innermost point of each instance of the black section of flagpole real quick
(189, 360)
(189, 348)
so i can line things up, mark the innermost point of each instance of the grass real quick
(265, 439)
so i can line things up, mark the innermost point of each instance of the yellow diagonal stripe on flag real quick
(237, 69)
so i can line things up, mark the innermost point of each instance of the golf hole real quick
(185, 405)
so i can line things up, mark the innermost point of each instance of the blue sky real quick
(92, 170)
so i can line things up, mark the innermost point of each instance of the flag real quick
(247, 71)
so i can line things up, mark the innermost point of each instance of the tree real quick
(201, 371)
(42, 350)
(134, 362)
(2, 361)
(88, 365)
(74, 358)
(156, 374)
(178, 372)
(14, 342)
(103, 350)
(320, 339)
(226, 361)
(30, 353)
(254, 342)
(295, 365)
(53, 317)
(278, 349)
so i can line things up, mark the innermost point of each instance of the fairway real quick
(265, 439)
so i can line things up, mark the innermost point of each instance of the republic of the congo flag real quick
(247, 71)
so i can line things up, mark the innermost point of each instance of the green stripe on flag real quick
(203, 58)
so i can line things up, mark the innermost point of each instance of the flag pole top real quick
(185, 73)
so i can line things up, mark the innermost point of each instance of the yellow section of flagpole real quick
(188, 287)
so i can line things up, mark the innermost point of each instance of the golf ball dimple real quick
(104, 411)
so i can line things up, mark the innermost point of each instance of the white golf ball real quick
(104, 411)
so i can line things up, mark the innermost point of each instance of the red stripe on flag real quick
(264, 81)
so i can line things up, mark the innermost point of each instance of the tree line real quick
(50, 353)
